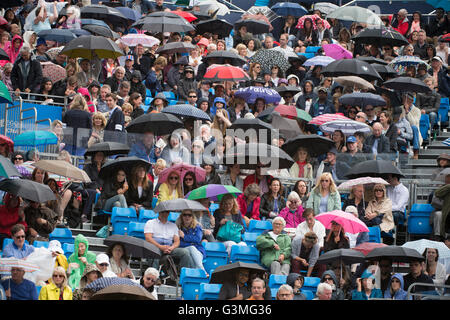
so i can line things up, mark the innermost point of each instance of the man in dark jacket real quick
(175, 73)
(136, 84)
(330, 278)
(416, 274)
(116, 121)
(187, 83)
(26, 74)
(116, 79)
(430, 102)
(377, 142)
(321, 105)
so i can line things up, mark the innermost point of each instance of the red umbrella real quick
(319, 120)
(186, 15)
(8, 142)
(445, 38)
(366, 247)
(217, 73)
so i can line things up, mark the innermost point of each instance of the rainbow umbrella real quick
(214, 192)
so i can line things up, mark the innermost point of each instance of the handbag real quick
(437, 203)
(231, 231)
(103, 232)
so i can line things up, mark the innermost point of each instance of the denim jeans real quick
(415, 142)
(196, 256)
(433, 119)
(116, 201)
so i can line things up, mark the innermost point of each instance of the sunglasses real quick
(379, 190)
(103, 264)
(173, 178)
(187, 215)
(396, 280)
(192, 96)
(150, 279)
(18, 158)
(188, 179)
(369, 109)
(324, 180)
(58, 276)
(19, 237)
(327, 279)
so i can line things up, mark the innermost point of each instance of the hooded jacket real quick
(138, 87)
(185, 84)
(298, 295)
(337, 294)
(10, 51)
(170, 154)
(213, 108)
(77, 273)
(400, 294)
(85, 93)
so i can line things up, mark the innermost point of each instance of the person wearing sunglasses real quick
(330, 278)
(324, 196)
(171, 188)
(18, 248)
(57, 288)
(187, 83)
(149, 280)
(90, 274)
(78, 260)
(395, 290)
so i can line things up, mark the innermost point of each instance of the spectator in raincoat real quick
(395, 289)
(78, 260)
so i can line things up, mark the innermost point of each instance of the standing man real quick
(26, 74)
(116, 121)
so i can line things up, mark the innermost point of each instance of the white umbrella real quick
(347, 185)
(356, 14)
(348, 127)
(210, 5)
(325, 7)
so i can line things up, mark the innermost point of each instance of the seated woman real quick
(57, 288)
(272, 201)
(395, 290)
(189, 182)
(379, 210)
(113, 194)
(148, 281)
(356, 198)
(336, 238)
(191, 235)
(212, 177)
(171, 189)
(228, 211)
(296, 281)
(206, 220)
(232, 178)
(339, 140)
(119, 261)
(79, 260)
(293, 211)
(366, 288)
(175, 150)
(301, 187)
(305, 252)
(249, 203)
(140, 190)
(275, 248)
(302, 167)
(41, 221)
(324, 196)
(56, 205)
(93, 188)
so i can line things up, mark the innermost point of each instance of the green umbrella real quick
(214, 192)
(5, 96)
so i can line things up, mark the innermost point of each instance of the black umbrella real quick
(222, 57)
(179, 205)
(187, 111)
(287, 89)
(86, 46)
(215, 26)
(385, 70)
(373, 168)
(110, 169)
(5, 4)
(176, 47)
(351, 67)
(345, 256)
(107, 14)
(362, 99)
(253, 26)
(108, 148)
(122, 292)
(393, 96)
(58, 35)
(380, 36)
(372, 60)
(227, 273)
(395, 253)
(3, 55)
(405, 84)
(161, 21)
(27, 189)
(315, 144)
(7, 169)
(101, 31)
(246, 124)
(158, 123)
(136, 247)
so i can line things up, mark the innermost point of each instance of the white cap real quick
(102, 258)
(55, 246)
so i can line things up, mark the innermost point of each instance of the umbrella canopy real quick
(405, 84)
(135, 247)
(101, 31)
(104, 13)
(63, 168)
(6, 264)
(110, 169)
(348, 221)
(380, 36)
(133, 39)
(356, 14)
(247, 124)
(323, 118)
(250, 94)
(224, 57)
(372, 60)
(253, 26)
(102, 283)
(269, 58)
(213, 192)
(185, 15)
(325, 7)
(176, 47)
(289, 8)
(53, 71)
(407, 61)
(373, 168)
(215, 26)
(109, 148)
(354, 81)
(179, 205)
(337, 52)
(423, 244)
(362, 99)
(158, 123)
(225, 73)
(131, 14)
(347, 185)
(36, 138)
(122, 292)
(445, 38)
(287, 89)
(315, 144)
(314, 18)
(290, 112)
(53, 52)
(227, 273)
(5, 4)
(385, 70)
(185, 111)
(7, 169)
(348, 127)
(318, 61)
(5, 96)
(95, 22)
(58, 35)
(161, 21)
(395, 253)
(367, 247)
(182, 169)
(344, 256)
(86, 46)
(351, 67)
(28, 189)
(287, 127)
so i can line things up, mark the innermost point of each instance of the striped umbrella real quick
(6, 264)
(361, 181)
(401, 62)
(446, 142)
(213, 192)
(102, 283)
(348, 127)
(318, 61)
(327, 117)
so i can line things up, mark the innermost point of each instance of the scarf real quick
(301, 168)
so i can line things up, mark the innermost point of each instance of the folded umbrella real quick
(109, 148)
(348, 127)
(336, 52)
(315, 144)
(35, 138)
(7, 169)
(158, 123)
(373, 168)
(213, 192)
(58, 35)
(176, 47)
(220, 27)
(187, 111)
(110, 169)
(226, 273)
(27, 189)
(136, 247)
(182, 169)
(179, 205)
(346, 220)
(63, 168)
(362, 99)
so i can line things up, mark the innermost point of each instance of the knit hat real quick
(41, 41)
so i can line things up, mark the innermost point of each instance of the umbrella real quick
(58, 35)
(318, 61)
(250, 94)
(406, 61)
(253, 26)
(354, 81)
(347, 185)
(351, 67)
(176, 47)
(367, 247)
(109, 148)
(6, 140)
(373, 168)
(445, 38)
(213, 192)
(269, 58)
(218, 73)
(161, 21)
(337, 52)
(323, 118)
(7, 169)
(185, 15)
(104, 13)
(133, 39)
(213, 6)
(179, 205)
(325, 7)
(385, 70)
(356, 14)
(28, 189)
(110, 169)
(102, 283)
(249, 156)
(344, 256)
(287, 127)
(182, 169)
(348, 221)
(136, 247)
(87, 46)
(348, 127)
(395, 253)
(5, 96)
(63, 168)
(247, 124)
(441, 175)
(158, 123)
(227, 273)
(5, 4)
(6, 264)
(122, 292)
(372, 60)
(131, 14)
(53, 52)
(315, 144)
(287, 89)
(314, 18)
(380, 36)
(3, 55)
(261, 13)
(53, 71)
(224, 57)
(405, 84)
(289, 8)
(101, 31)
(362, 99)
(36, 138)
(95, 22)
(291, 112)
(446, 142)
(423, 244)
(185, 111)
(215, 26)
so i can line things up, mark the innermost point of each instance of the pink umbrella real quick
(366, 247)
(133, 40)
(313, 17)
(363, 180)
(348, 221)
(53, 71)
(319, 120)
(337, 52)
(182, 169)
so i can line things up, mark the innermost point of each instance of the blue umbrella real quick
(289, 8)
(250, 94)
(318, 61)
(129, 13)
(58, 35)
(94, 21)
(446, 142)
(80, 32)
(362, 99)
(35, 138)
(187, 111)
(102, 283)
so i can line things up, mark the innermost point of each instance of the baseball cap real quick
(129, 57)
(437, 58)
(323, 89)
(351, 139)
(102, 258)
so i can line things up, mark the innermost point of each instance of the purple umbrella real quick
(250, 94)
(337, 52)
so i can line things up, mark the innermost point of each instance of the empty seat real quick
(311, 283)
(250, 238)
(63, 235)
(419, 223)
(40, 244)
(209, 291)
(424, 126)
(374, 234)
(276, 281)
(120, 219)
(422, 207)
(259, 226)
(136, 229)
(244, 254)
(68, 249)
(309, 294)
(190, 280)
(145, 215)
(216, 255)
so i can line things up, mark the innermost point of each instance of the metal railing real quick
(31, 98)
(437, 291)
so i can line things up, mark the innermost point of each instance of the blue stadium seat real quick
(250, 238)
(419, 223)
(63, 235)
(422, 207)
(145, 215)
(170, 95)
(216, 255)
(190, 280)
(443, 111)
(374, 234)
(424, 126)
(309, 294)
(154, 202)
(136, 229)
(259, 226)
(38, 290)
(147, 103)
(68, 249)
(312, 49)
(120, 218)
(7, 241)
(40, 244)
(244, 254)
(209, 291)
(275, 281)
(173, 216)
(311, 284)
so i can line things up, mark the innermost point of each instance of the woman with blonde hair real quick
(57, 288)
(324, 196)
(379, 210)
(98, 129)
(171, 189)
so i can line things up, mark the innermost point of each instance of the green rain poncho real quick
(76, 274)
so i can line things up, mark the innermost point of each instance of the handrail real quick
(30, 94)
(438, 294)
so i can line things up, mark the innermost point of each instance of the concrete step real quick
(438, 145)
